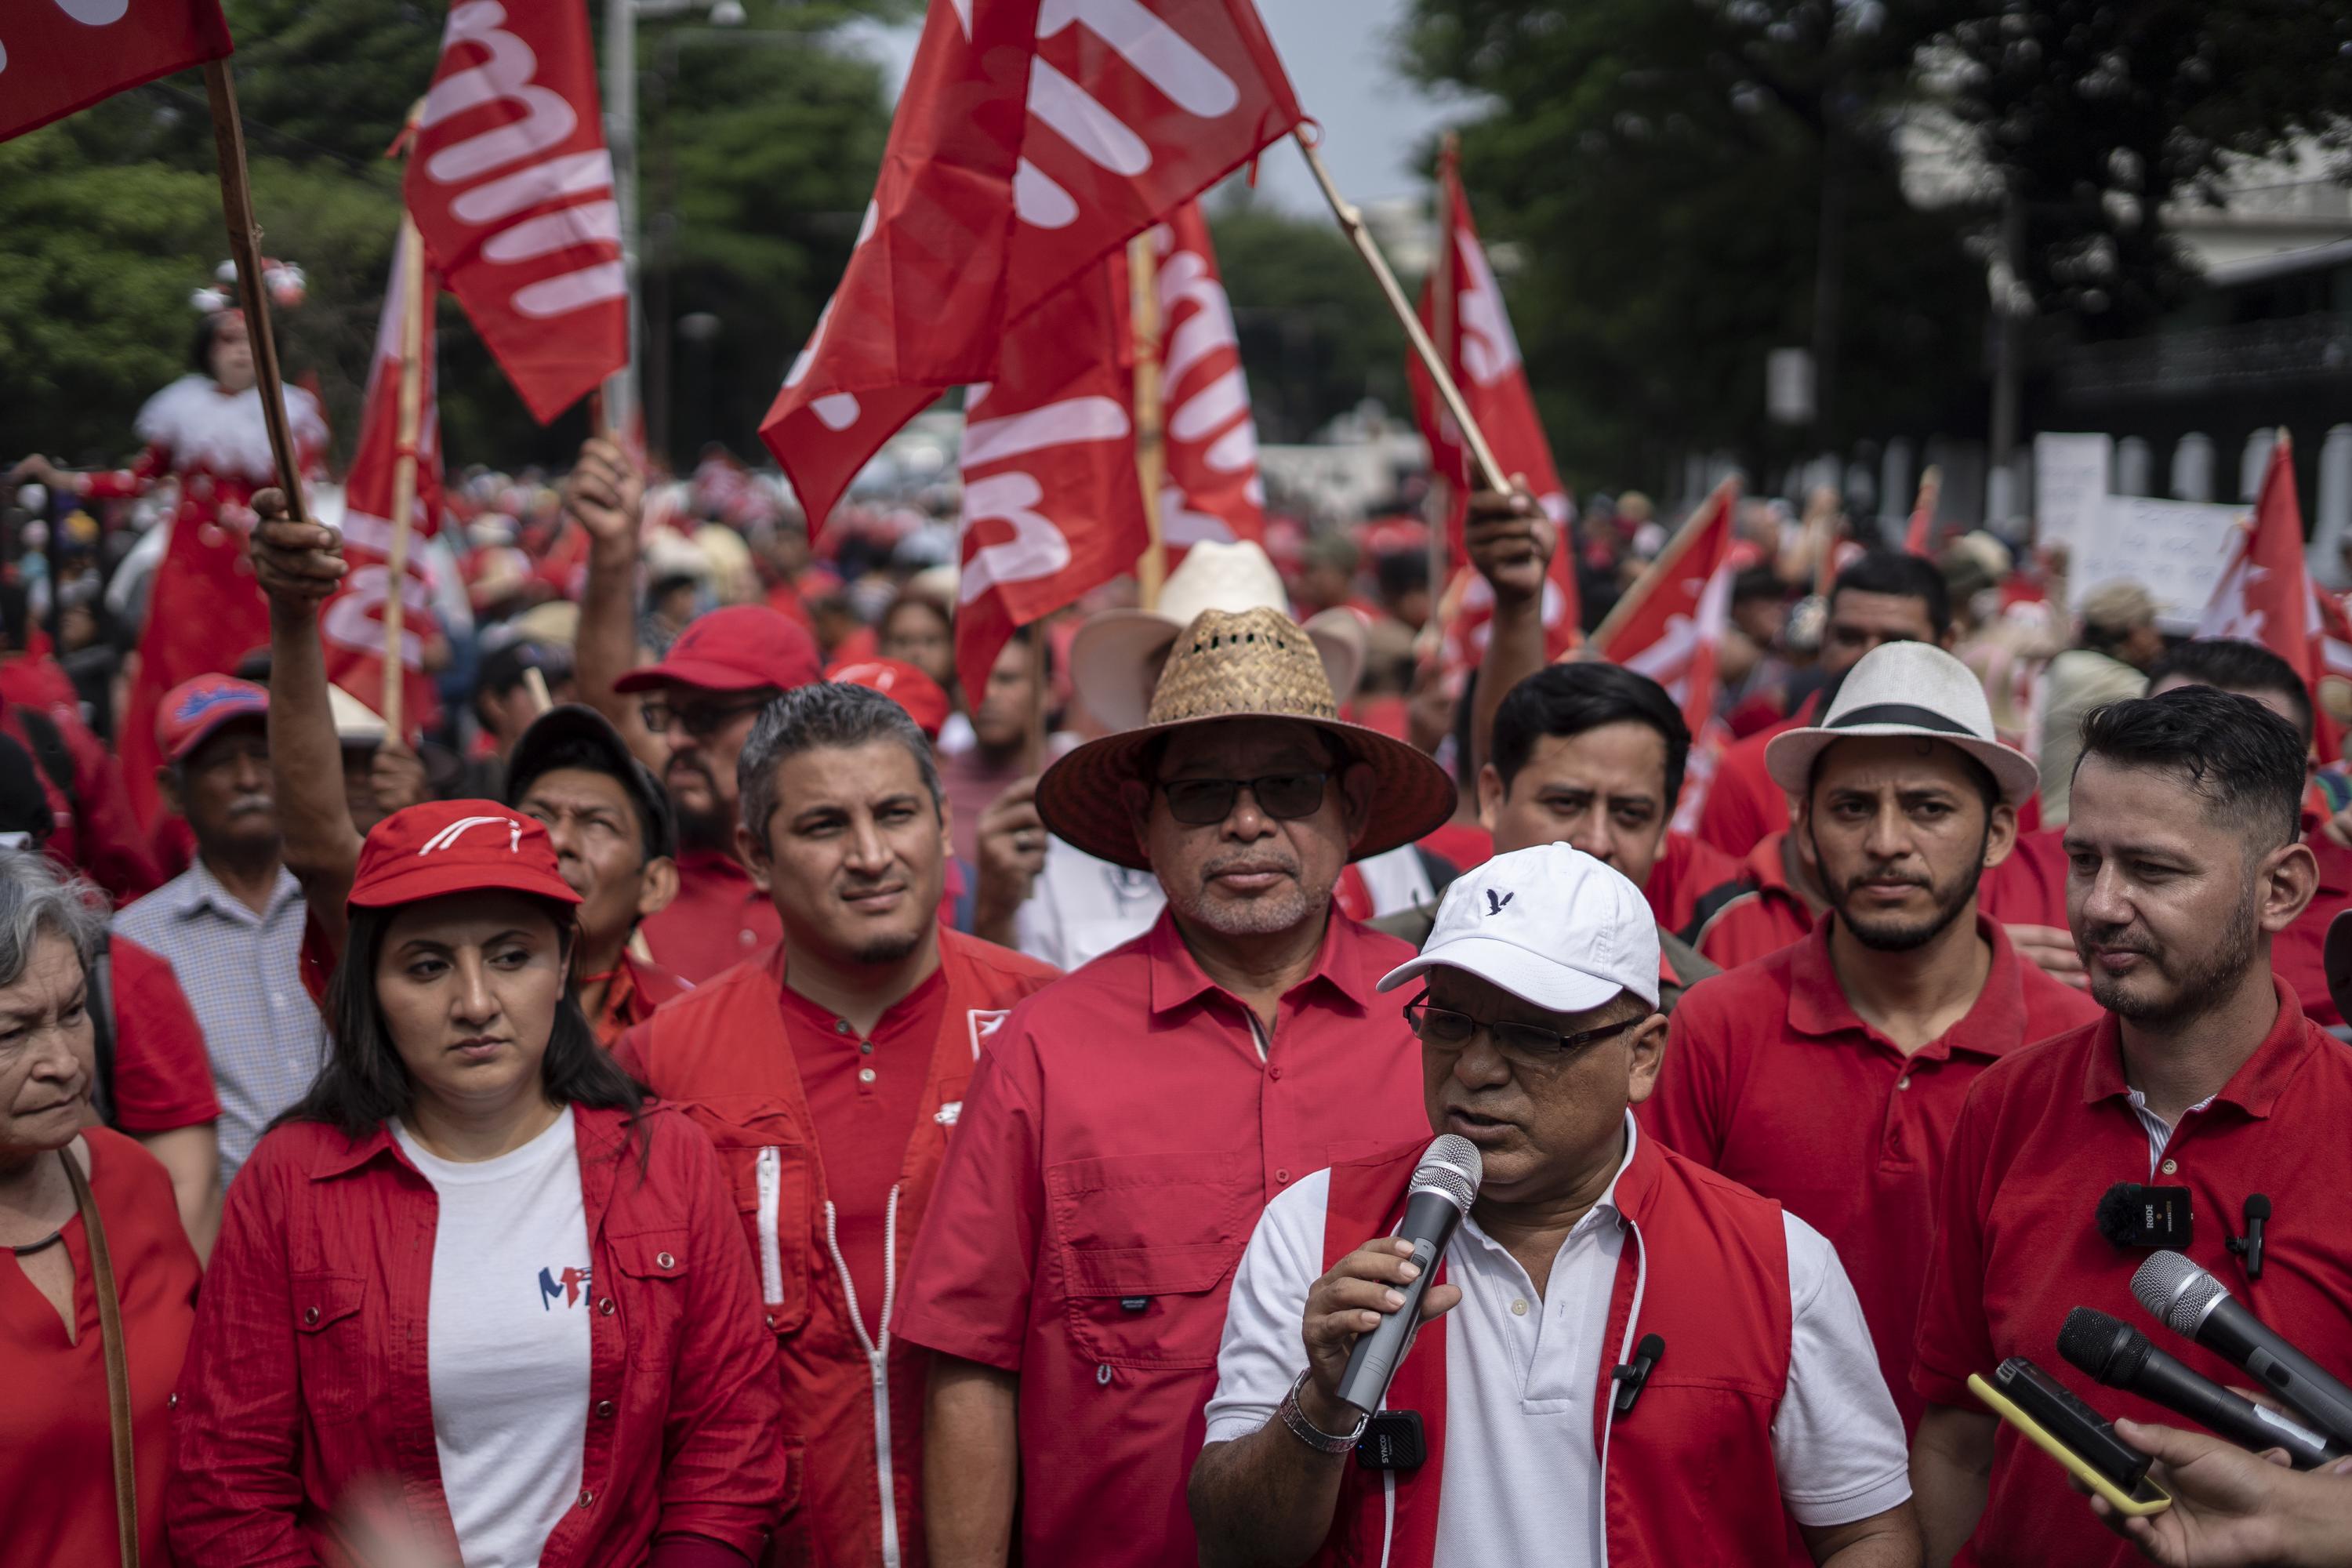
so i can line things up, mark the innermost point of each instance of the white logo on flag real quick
(1038, 548)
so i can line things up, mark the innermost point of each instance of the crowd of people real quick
(722, 1092)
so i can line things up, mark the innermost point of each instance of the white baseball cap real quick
(1552, 925)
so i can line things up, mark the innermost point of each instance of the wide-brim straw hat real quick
(1905, 688)
(1257, 664)
(1115, 654)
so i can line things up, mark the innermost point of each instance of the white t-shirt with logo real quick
(507, 1342)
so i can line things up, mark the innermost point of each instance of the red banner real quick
(510, 184)
(1051, 506)
(59, 55)
(1211, 490)
(352, 625)
(1034, 138)
(1472, 332)
(1674, 619)
(2266, 596)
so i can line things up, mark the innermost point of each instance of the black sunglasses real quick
(1204, 803)
(1528, 1044)
(700, 722)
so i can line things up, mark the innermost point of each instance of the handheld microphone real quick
(2178, 1292)
(1443, 1185)
(2120, 1356)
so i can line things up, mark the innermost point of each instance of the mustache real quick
(1248, 861)
(681, 764)
(246, 802)
(2118, 939)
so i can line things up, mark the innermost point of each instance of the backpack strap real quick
(49, 749)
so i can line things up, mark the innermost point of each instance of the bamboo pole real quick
(1151, 419)
(404, 467)
(1440, 489)
(1351, 222)
(244, 249)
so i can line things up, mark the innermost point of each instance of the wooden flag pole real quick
(1150, 425)
(244, 249)
(403, 467)
(1440, 489)
(1351, 222)
(1634, 597)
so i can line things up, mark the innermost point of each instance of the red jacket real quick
(307, 1372)
(853, 1410)
(1688, 1475)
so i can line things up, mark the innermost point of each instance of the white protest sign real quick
(2070, 486)
(2175, 549)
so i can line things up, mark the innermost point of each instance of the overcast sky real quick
(1337, 53)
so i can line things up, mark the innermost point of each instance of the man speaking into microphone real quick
(1624, 1358)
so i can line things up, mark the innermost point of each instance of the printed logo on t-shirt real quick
(985, 1022)
(571, 1284)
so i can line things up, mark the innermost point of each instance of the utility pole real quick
(621, 392)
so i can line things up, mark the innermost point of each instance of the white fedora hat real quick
(1117, 655)
(1905, 688)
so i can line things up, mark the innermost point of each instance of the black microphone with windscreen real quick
(2120, 1356)
(1443, 1185)
(2178, 1292)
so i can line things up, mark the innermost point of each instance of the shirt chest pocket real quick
(651, 1291)
(331, 1349)
(769, 1165)
(1146, 1244)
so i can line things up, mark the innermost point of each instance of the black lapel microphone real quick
(1631, 1377)
(2250, 1245)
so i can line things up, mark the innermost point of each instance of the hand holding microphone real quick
(2198, 1306)
(2120, 1356)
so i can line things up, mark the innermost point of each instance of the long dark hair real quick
(364, 1085)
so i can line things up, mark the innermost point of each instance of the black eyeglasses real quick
(1204, 803)
(1522, 1045)
(700, 722)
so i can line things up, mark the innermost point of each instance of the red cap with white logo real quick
(456, 846)
(902, 683)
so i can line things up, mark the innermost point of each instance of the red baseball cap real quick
(902, 683)
(456, 846)
(740, 648)
(193, 710)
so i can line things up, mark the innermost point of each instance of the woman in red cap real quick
(471, 1269)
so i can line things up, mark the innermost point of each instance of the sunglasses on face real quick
(1522, 1045)
(1204, 803)
(700, 722)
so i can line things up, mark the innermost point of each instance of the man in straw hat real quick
(1829, 1074)
(1057, 903)
(1129, 1121)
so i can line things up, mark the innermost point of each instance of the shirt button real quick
(664, 1261)
(603, 1410)
(1275, 1073)
(841, 1025)
(586, 1497)
(2171, 1166)
(746, 937)
(866, 1075)
(311, 1315)
(1903, 1083)
(604, 1305)
(1282, 1175)
(865, 1048)
(1519, 1308)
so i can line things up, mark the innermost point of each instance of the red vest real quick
(853, 1416)
(1688, 1475)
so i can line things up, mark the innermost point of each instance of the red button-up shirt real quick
(307, 1375)
(1765, 919)
(2043, 1134)
(1772, 1079)
(1115, 1147)
(1685, 872)
(1743, 803)
(718, 918)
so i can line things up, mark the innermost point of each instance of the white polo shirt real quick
(1521, 1481)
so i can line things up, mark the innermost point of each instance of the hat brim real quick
(700, 674)
(1079, 796)
(429, 879)
(1790, 756)
(1115, 654)
(574, 723)
(1534, 979)
(212, 725)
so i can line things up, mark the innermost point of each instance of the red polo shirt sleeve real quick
(1954, 1337)
(1685, 1110)
(162, 1078)
(970, 1278)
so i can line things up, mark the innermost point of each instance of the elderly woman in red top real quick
(88, 1225)
(472, 1265)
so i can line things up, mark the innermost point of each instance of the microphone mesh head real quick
(2107, 1348)
(1450, 1169)
(2176, 1290)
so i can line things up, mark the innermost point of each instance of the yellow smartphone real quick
(2072, 1433)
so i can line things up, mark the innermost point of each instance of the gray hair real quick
(38, 897)
(823, 713)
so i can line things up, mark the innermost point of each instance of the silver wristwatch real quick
(1309, 1433)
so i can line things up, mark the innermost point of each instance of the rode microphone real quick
(2120, 1356)
(2250, 1245)
(1443, 1185)
(2132, 1214)
(2178, 1292)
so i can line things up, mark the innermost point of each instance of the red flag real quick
(1473, 332)
(1920, 539)
(1051, 508)
(351, 626)
(2266, 596)
(1034, 137)
(1211, 490)
(59, 55)
(1672, 621)
(510, 184)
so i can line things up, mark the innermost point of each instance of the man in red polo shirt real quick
(1130, 1122)
(2185, 863)
(1829, 1074)
(1779, 905)
(829, 1075)
(1883, 598)
(722, 669)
